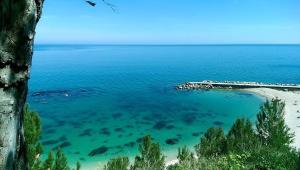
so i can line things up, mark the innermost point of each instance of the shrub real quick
(32, 133)
(184, 155)
(57, 162)
(241, 137)
(151, 157)
(120, 163)
(197, 164)
(270, 158)
(234, 161)
(213, 143)
(271, 126)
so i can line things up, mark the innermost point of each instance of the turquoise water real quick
(108, 97)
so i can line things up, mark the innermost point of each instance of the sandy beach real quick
(292, 108)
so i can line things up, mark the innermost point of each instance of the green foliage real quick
(273, 158)
(56, 162)
(243, 149)
(151, 157)
(184, 155)
(234, 161)
(78, 165)
(32, 133)
(270, 125)
(213, 143)
(121, 163)
(186, 159)
(60, 162)
(197, 164)
(241, 137)
(48, 163)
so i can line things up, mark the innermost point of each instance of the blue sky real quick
(170, 22)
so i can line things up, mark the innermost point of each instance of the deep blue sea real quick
(108, 97)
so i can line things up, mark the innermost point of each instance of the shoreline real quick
(292, 108)
(170, 159)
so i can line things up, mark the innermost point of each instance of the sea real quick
(96, 102)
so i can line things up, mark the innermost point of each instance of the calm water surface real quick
(108, 97)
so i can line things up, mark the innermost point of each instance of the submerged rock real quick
(60, 123)
(196, 134)
(179, 136)
(160, 125)
(104, 131)
(50, 142)
(85, 133)
(117, 115)
(172, 141)
(62, 138)
(129, 126)
(46, 127)
(218, 123)
(98, 151)
(49, 93)
(50, 131)
(63, 145)
(118, 129)
(147, 118)
(139, 140)
(118, 147)
(75, 124)
(130, 144)
(189, 118)
(170, 127)
(156, 116)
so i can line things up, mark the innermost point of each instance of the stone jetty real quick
(207, 84)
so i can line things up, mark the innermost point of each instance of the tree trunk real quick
(18, 19)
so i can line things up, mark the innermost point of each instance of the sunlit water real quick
(108, 97)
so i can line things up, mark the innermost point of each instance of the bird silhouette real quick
(91, 3)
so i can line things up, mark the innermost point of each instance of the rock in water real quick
(160, 125)
(172, 141)
(62, 145)
(98, 151)
(218, 123)
(50, 142)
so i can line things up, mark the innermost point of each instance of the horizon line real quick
(165, 44)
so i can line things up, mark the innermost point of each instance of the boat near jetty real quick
(208, 84)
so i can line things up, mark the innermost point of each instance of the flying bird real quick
(91, 3)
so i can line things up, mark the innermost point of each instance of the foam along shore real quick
(292, 107)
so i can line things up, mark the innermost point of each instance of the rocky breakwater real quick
(193, 86)
(207, 84)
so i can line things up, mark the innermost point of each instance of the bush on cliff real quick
(151, 157)
(213, 143)
(32, 134)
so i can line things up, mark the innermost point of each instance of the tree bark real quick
(18, 19)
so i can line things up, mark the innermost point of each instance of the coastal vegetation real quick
(56, 160)
(265, 145)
